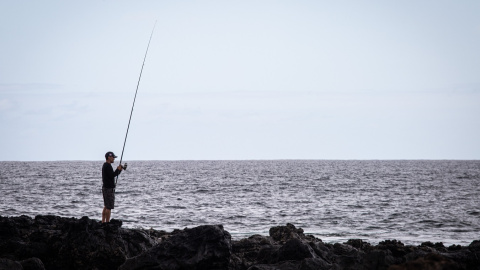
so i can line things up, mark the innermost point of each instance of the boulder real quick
(200, 248)
(69, 243)
(285, 233)
(245, 252)
(295, 250)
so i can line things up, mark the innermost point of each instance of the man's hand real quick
(119, 167)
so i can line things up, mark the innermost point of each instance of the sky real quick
(236, 80)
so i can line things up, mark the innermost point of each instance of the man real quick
(108, 188)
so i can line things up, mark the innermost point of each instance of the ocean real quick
(413, 201)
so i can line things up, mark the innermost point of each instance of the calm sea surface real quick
(411, 201)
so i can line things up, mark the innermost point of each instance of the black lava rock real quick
(52, 242)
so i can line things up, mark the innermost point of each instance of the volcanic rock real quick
(52, 242)
(203, 247)
(69, 243)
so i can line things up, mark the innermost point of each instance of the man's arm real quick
(118, 170)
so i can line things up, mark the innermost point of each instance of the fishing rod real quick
(136, 91)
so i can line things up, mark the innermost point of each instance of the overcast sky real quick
(240, 79)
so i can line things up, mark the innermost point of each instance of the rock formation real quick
(51, 242)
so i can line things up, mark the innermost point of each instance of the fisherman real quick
(108, 188)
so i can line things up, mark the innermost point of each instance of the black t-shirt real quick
(108, 175)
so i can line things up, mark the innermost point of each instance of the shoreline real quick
(53, 242)
(327, 239)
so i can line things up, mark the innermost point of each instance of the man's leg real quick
(104, 214)
(108, 214)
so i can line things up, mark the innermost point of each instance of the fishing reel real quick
(125, 166)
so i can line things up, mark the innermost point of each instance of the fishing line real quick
(138, 83)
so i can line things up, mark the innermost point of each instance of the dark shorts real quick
(108, 197)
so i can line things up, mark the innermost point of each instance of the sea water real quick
(411, 201)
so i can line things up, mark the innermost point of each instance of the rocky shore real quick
(52, 242)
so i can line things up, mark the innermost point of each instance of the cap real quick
(110, 154)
